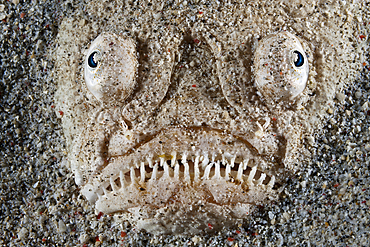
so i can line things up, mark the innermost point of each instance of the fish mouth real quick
(180, 165)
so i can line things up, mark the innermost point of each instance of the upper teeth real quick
(192, 174)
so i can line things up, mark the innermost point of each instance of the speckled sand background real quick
(326, 204)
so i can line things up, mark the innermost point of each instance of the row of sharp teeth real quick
(195, 176)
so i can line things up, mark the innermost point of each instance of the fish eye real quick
(298, 59)
(280, 67)
(93, 60)
(110, 67)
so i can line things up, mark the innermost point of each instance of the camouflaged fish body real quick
(187, 127)
(189, 146)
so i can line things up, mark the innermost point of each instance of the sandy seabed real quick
(325, 204)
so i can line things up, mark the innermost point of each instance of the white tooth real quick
(252, 174)
(227, 171)
(150, 161)
(122, 179)
(142, 173)
(186, 166)
(271, 184)
(177, 171)
(223, 159)
(173, 159)
(213, 157)
(232, 161)
(165, 168)
(133, 176)
(241, 168)
(217, 171)
(154, 172)
(113, 184)
(262, 164)
(228, 168)
(196, 169)
(207, 171)
(261, 179)
(205, 161)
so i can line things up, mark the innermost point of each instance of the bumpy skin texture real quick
(196, 138)
(110, 67)
(280, 74)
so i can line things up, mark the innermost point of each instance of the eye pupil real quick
(92, 60)
(298, 59)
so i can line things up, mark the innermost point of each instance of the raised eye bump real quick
(110, 68)
(280, 67)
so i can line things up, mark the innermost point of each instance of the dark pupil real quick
(299, 60)
(91, 61)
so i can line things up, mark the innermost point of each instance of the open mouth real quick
(155, 170)
(192, 172)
